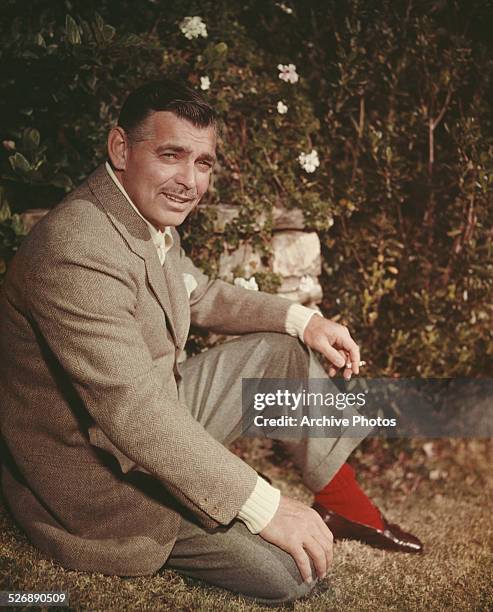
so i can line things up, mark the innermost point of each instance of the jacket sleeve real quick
(225, 309)
(82, 300)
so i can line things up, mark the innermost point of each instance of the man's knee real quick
(278, 340)
(277, 577)
(293, 591)
(284, 345)
(282, 587)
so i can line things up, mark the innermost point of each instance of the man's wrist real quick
(298, 318)
(260, 507)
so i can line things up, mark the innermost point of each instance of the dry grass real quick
(452, 516)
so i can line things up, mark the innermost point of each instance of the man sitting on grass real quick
(116, 456)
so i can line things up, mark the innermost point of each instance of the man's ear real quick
(118, 148)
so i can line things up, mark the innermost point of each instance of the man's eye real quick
(169, 155)
(205, 164)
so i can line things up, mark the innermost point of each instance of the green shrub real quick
(394, 97)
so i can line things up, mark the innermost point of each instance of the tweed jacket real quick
(100, 456)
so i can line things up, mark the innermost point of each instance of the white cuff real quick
(260, 507)
(297, 319)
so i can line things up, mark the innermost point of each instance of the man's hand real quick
(300, 531)
(335, 342)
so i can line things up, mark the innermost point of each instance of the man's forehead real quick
(166, 126)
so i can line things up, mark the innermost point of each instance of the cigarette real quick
(349, 365)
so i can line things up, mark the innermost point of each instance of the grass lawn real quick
(444, 495)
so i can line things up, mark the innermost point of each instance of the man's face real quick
(168, 171)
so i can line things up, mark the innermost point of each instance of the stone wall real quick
(295, 253)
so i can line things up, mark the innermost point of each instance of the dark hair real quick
(164, 95)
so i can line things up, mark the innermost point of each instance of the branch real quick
(274, 175)
(444, 108)
(361, 116)
(432, 125)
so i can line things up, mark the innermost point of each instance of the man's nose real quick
(186, 175)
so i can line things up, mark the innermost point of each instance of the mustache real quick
(181, 194)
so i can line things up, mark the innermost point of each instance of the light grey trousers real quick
(231, 557)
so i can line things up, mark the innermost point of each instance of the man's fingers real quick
(333, 368)
(350, 352)
(320, 542)
(355, 357)
(302, 560)
(329, 555)
(349, 346)
(326, 539)
(299, 530)
(323, 561)
(347, 371)
(329, 337)
(331, 353)
(324, 531)
(318, 556)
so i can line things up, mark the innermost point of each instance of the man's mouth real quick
(178, 198)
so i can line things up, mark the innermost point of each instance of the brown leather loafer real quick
(392, 537)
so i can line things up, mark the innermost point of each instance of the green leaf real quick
(39, 40)
(99, 22)
(18, 225)
(19, 163)
(108, 32)
(63, 181)
(131, 40)
(103, 31)
(221, 48)
(5, 212)
(72, 31)
(31, 138)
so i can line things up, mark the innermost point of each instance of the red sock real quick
(344, 496)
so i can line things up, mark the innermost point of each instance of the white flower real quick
(193, 27)
(205, 82)
(246, 284)
(287, 72)
(435, 474)
(309, 161)
(429, 449)
(288, 10)
(306, 284)
(282, 108)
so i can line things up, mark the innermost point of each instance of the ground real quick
(441, 490)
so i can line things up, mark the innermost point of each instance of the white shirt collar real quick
(163, 241)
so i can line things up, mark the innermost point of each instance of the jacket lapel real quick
(166, 287)
(178, 295)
